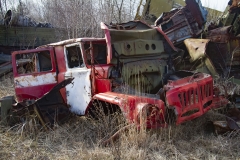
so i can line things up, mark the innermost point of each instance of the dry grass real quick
(6, 85)
(80, 139)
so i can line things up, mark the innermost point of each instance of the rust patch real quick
(232, 122)
(235, 4)
(180, 24)
(224, 51)
(193, 7)
(221, 35)
(196, 48)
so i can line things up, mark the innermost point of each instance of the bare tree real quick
(1, 7)
(80, 18)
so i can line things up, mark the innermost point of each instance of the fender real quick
(136, 108)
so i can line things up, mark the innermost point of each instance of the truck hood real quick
(136, 39)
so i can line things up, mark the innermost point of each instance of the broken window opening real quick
(167, 25)
(34, 62)
(74, 57)
(99, 53)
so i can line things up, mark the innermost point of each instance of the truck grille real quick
(194, 97)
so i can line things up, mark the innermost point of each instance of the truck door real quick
(79, 92)
(34, 73)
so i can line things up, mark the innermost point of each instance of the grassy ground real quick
(6, 85)
(80, 139)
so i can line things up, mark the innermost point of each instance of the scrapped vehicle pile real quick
(216, 52)
(153, 75)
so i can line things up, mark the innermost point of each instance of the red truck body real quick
(102, 68)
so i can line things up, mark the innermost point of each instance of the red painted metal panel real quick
(33, 92)
(61, 63)
(191, 96)
(103, 85)
(14, 64)
(108, 41)
(132, 105)
(102, 71)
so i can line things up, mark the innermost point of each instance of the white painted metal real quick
(35, 80)
(79, 92)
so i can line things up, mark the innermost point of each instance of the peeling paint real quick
(35, 80)
(79, 92)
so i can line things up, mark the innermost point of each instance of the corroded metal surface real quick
(224, 51)
(135, 106)
(144, 76)
(235, 3)
(220, 53)
(190, 97)
(35, 80)
(197, 51)
(79, 92)
(50, 108)
(221, 35)
(130, 76)
(198, 11)
(232, 122)
(183, 23)
(196, 48)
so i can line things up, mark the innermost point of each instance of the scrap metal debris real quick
(19, 32)
(234, 4)
(183, 23)
(15, 19)
(218, 55)
(232, 122)
(147, 65)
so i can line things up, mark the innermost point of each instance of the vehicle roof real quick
(74, 40)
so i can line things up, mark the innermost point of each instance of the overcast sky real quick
(219, 5)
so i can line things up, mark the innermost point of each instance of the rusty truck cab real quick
(37, 71)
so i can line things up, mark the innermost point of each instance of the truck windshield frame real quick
(74, 58)
(99, 53)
